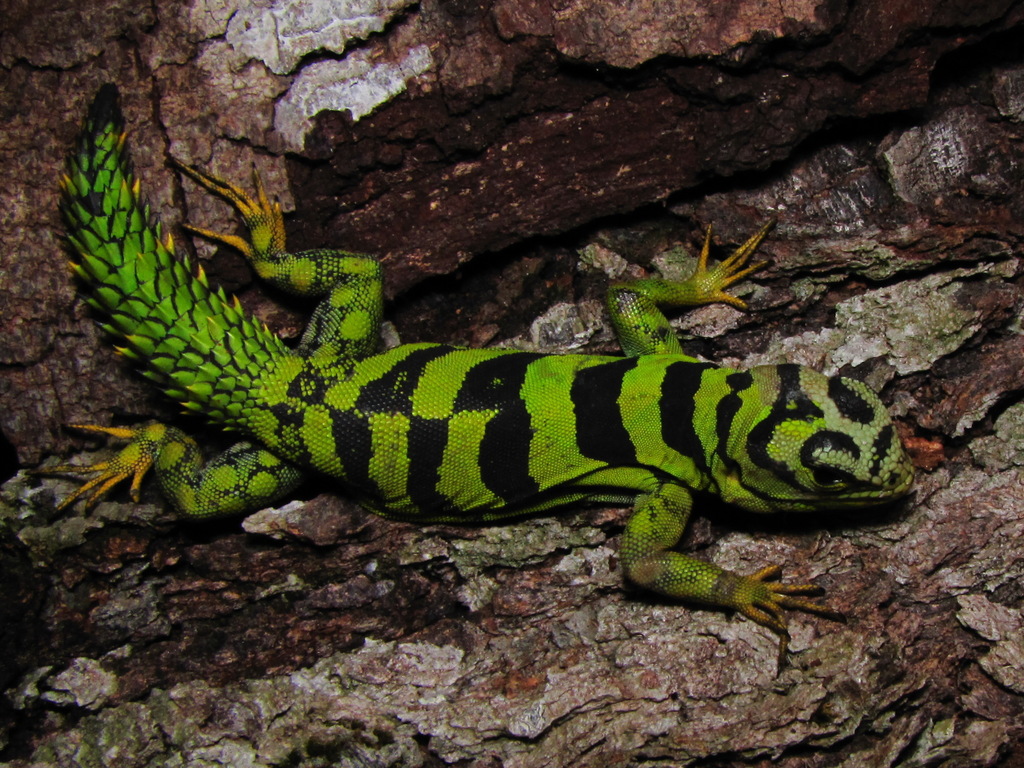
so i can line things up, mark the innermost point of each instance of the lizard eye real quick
(829, 478)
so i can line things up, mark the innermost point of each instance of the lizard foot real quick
(763, 599)
(133, 461)
(262, 217)
(710, 284)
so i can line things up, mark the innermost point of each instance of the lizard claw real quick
(134, 461)
(262, 217)
(711, 283)
(763, 599)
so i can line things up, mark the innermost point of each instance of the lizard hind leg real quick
(241, 479)
(134, 461)
(262, 217)
(345, 323)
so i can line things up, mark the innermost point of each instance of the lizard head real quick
(803, 441)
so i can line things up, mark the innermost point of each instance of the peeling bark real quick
(558, 144)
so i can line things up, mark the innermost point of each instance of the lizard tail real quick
(199, 347)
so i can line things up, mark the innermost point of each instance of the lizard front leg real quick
(657, 524)
(642, 328)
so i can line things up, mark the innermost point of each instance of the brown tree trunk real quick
(518, 152)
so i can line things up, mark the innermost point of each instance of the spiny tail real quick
(200, 348)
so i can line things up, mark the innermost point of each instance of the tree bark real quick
(506, 159)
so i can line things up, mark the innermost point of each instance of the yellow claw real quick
(731, 270)
(134, 460)
(262, 217)
(762, 599)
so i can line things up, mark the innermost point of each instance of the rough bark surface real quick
(556, 143)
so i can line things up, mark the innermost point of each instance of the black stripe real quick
(850, 403)
(427, 441)
(792, 404)
(757, 439)
(678, 409)
(351, 435)
(881, 449)
(757, 445)
(600, 433)
(289, 426)
(726, 411)
(504, 458)
(309, 387)
(792, 399)
(392, 392)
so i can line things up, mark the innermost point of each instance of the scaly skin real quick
(429, 432)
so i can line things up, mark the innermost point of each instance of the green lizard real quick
(435, 433)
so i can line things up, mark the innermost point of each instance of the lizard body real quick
(430, 432)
